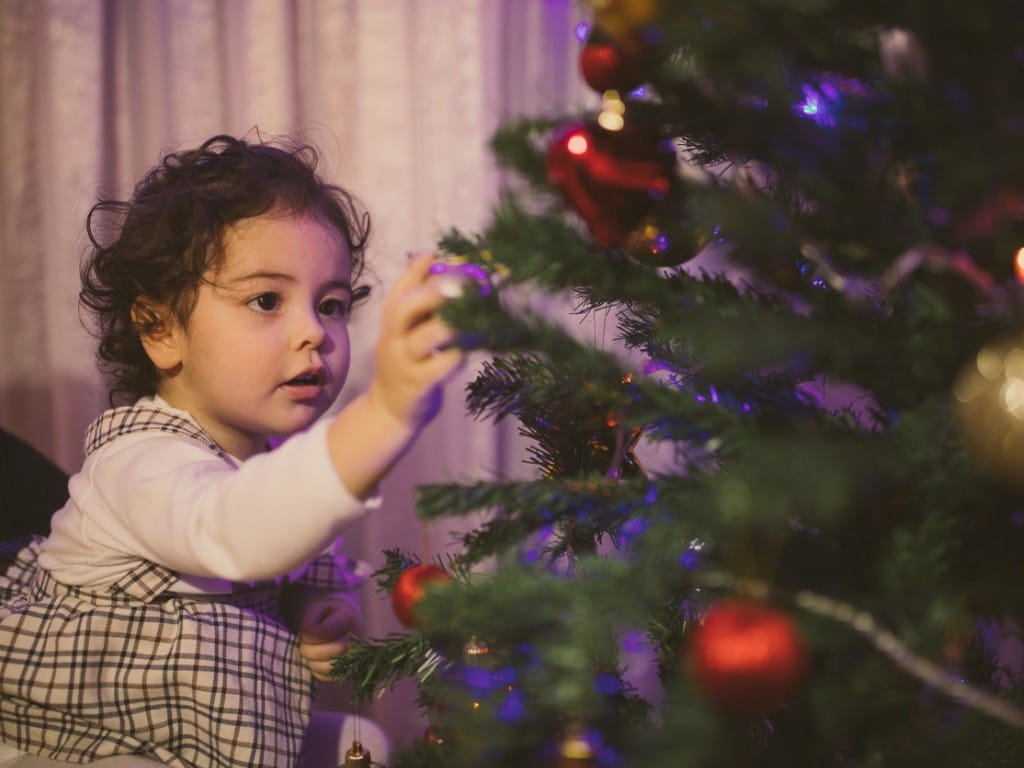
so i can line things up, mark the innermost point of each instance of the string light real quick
(577, 144)
(612, 111)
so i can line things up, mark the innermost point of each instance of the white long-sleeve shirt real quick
(169, 499)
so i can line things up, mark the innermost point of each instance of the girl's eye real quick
(266, 302)
(333, 307)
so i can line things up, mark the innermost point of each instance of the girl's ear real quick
(156, 324)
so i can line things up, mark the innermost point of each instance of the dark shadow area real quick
(32, 488)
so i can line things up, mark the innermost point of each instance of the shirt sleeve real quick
(167, 499)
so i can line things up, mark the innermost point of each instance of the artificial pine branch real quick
(376, 665)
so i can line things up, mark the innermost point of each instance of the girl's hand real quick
(415, 352)
(322, 626)
(415, 356)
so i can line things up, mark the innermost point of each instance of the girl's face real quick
(266, 349)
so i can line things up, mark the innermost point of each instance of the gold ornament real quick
(989, 407)
(476, 653)
(357, 757)
(621, 18)
(575, 750)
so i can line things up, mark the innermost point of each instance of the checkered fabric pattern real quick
(190, 681)
(143, 418)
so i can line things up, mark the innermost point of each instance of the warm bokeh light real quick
(612, 102)
(577, 144)
(1018, 264)
(611, 121)
(989, 406)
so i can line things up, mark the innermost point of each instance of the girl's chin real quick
(295, 425)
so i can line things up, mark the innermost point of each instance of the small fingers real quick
(428, 337)
(444, 364)
(321, 670)
(412, 307)
(417, 272)
(322, 651)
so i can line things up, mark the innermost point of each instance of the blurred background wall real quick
(400, 97)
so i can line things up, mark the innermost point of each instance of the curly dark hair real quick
(165, 237)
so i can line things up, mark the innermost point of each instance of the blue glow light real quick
(816, 106)
(690, 559)
(582, 31)
(512, 707)
(634, 642)
(480, 679)
(608, 757)
(607, 684)
(634, 527)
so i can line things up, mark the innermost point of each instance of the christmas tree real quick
(805, 219)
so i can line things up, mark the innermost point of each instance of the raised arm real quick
(411, 364)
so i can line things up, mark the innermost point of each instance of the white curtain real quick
(400, 96)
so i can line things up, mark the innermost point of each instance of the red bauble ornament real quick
(409, 589)
(611, 178)
(606, 67)
(746, 656)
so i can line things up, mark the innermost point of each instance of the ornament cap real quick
(357, 756)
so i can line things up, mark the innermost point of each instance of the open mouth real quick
(310, 379)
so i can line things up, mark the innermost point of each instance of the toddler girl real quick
(189, 595)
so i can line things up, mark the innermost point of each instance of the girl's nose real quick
(311, 331)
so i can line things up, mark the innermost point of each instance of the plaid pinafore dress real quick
(190, 681)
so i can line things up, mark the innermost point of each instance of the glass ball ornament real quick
(665, 243)
(452, 275)
(612, 179)
(411, 586)
(746, 656)
(988, 404)
(606, 66)
(622, 18)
